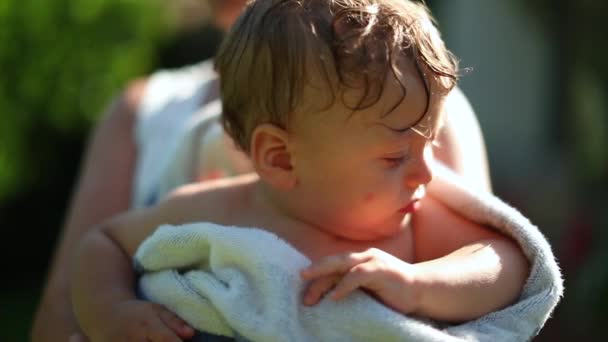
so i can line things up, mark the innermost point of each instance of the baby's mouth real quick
(414, 204)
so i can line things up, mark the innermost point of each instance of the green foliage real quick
(60, 62)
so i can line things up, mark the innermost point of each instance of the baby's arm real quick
(462, 270)
(472, 281)
(466, 270)
(103, 283)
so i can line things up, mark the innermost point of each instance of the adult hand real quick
(78, 337)
(137, 320)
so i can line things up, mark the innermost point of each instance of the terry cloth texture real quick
(244, 282)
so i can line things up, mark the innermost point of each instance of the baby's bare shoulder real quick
(202, 202)
(438, 230)
(211, 201)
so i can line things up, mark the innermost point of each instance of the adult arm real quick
(102, 190)
(103, 286)
(460, 144)
(103, 282)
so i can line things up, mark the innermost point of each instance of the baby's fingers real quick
(179, 326)
(358, 277)
(318, 288)
(334, 264)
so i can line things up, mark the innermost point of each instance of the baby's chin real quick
(383, 231)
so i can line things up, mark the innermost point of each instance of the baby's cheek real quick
(369, 197)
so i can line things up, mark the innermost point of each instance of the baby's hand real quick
(137, 320)
(389, 279)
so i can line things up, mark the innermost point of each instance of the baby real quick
(337, 104)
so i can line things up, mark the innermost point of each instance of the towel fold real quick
(235, 281)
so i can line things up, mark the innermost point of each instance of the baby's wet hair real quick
(287, 56)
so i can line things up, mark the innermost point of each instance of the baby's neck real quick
(268, 211)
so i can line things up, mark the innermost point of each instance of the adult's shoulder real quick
(163, 83)
(459, 109)
(457, 98)
(461, 143)
(128, 102)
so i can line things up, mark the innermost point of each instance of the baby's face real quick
(360, 174)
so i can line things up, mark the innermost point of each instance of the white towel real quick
(244, 282)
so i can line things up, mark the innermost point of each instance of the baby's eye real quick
(393, 162)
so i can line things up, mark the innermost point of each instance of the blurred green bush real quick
(60, 62)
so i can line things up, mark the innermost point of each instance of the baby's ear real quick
(271, 156)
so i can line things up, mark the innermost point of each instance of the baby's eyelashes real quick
(394, 162)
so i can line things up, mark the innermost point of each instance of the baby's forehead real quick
(405, 98)
(384, 88)
(376, 127)
(419, 112)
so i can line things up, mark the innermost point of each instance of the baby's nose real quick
(420, 172)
